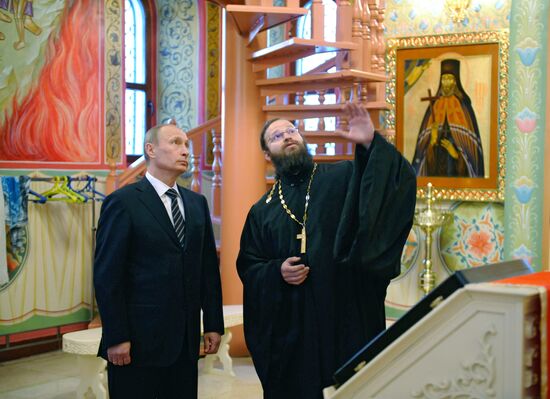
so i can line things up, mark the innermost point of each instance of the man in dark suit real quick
(155, 268)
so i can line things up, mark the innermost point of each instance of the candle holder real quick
(429, 219)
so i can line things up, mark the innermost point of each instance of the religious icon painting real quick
(448, 96)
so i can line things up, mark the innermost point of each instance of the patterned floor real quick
(54, 376)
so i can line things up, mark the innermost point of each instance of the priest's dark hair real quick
(268, 123)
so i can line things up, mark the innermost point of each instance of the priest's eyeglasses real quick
(277, 136)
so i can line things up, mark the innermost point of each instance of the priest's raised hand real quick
(361, 128)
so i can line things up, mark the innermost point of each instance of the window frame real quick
(150, 85)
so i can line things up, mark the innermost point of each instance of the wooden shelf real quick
(321, 137)
(225, 3)
(294, 49)
(332, 158)
(317, 81)
(293, 112)
(248, 18)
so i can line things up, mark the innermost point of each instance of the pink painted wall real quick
(51, 100)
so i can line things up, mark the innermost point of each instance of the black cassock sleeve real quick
(374, 225)
(262, 283)
(378, 210)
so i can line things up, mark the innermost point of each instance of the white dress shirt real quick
(161, 188)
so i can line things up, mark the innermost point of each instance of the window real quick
(305, 65)
(138, 70)
(304, 31)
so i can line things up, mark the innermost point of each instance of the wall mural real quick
(113, 81)
(50, 84)
(526, 121)
(415, 18)
(178, 61)
(213, 62)
(213, 81)
(475, 238)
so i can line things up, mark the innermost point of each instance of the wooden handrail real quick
(195, 136)
(214, 123)
(132, 172)
(217, 169)
(324, 67)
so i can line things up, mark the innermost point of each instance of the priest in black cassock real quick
(318, 252)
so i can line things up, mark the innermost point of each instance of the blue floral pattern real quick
(178, 61)
(527, 51)
(474, 238)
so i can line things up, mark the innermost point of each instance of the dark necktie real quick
(177, 217)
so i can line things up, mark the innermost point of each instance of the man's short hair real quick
(152, 136)
(263, 143)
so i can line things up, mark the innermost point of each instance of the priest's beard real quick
(293, 163)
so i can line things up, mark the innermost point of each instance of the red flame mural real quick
(59, 119)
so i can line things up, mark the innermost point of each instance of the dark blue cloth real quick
(16, 194)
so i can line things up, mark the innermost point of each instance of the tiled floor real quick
(54, 375)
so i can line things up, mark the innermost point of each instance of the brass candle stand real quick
(429, 219)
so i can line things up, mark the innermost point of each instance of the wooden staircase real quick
(360, 73)
(253, 19)
(347, 78)
(294, 49)
(359, 76)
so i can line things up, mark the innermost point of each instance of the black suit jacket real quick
(150, 289)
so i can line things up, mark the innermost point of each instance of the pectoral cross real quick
(302, 238)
